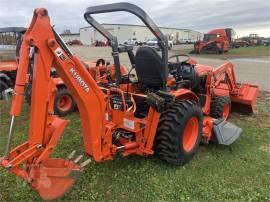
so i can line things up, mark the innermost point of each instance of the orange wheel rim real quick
(190, 134)
(64, 103)
(226, 112)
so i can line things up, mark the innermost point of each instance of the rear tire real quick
(3, 87)
(64, 103)
(220, 107)
(179, 132)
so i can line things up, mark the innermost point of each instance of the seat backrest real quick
(150, 69)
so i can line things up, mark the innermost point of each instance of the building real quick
(88, 35)
(67, 37)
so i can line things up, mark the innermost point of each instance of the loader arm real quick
(222, 82)
(225, 72)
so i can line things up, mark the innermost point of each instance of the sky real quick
(244, 16)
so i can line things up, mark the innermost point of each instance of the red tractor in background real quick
(216, 41)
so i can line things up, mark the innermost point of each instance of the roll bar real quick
(130, 8)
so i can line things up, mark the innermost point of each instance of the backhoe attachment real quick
(51, 177)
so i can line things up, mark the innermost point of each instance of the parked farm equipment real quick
(216, 41)
(163, 112)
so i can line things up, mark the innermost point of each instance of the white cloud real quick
(201, 15)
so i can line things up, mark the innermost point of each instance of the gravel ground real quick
(252, 70)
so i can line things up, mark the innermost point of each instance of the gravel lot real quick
(252, 70)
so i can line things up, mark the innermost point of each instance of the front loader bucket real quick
(244, 98)
(224, 132)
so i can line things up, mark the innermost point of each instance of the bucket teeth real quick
(85, 163)
(71, 155)
(78, 159)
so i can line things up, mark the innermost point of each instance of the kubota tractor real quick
(216, 41)
(165, 111)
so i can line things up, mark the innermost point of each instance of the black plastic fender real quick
(4, 77)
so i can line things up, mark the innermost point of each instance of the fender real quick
(185, 94)
(4, 77)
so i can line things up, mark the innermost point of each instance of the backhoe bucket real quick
(51, 178)
(244, 98)
(54, 177)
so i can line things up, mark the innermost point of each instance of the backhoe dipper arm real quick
(50, 51)
(42, 45)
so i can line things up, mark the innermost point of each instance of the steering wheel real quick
(100, 61)
(177, 58)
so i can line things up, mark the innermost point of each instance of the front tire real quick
(220, 107)
(179, 132)
(3, 87)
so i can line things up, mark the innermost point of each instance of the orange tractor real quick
(166, 111)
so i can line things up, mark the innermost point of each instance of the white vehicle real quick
(154, 44)
(134, 41)
(189, 41)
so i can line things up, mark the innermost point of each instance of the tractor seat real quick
(150, 69)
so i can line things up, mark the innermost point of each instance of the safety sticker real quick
(129, 123)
